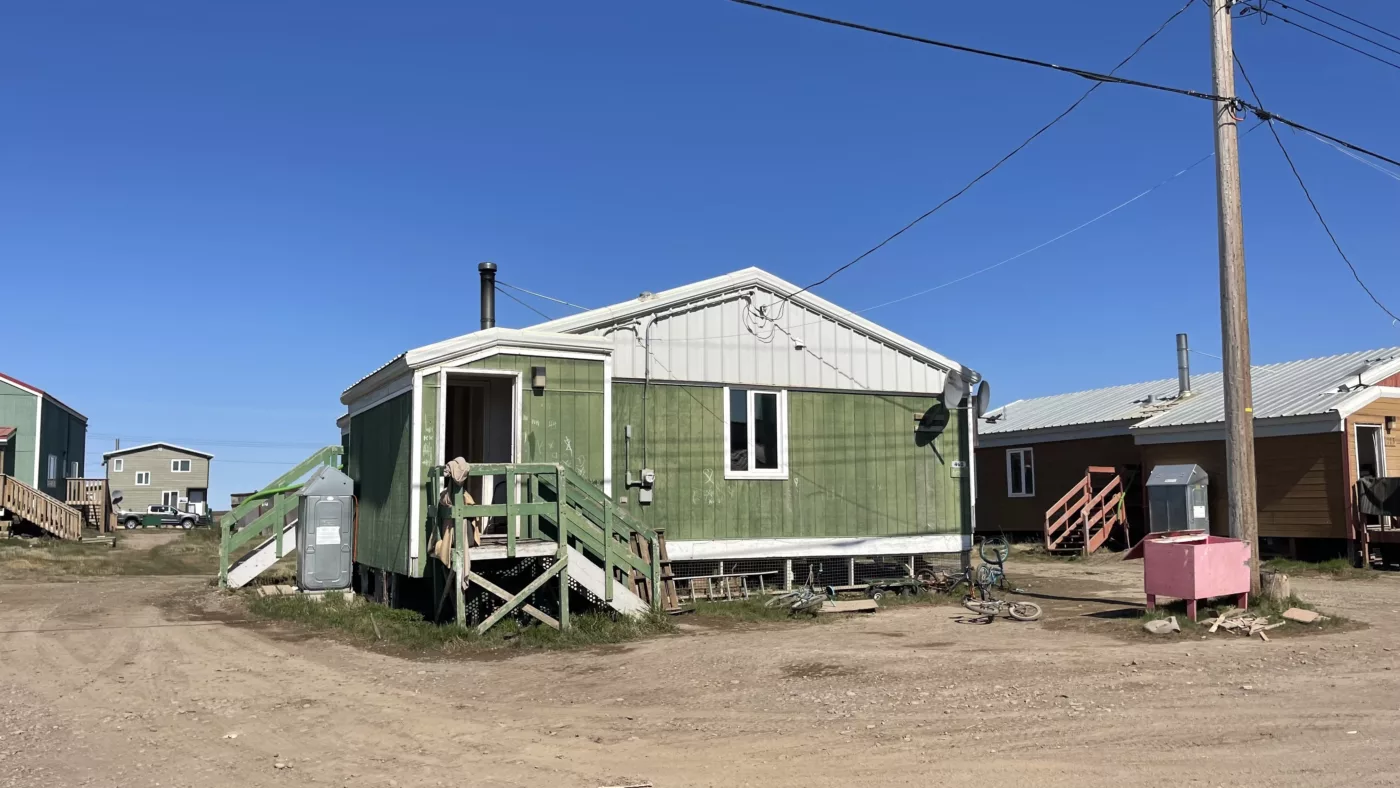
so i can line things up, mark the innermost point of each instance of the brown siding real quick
(1301, 490)
(1059, 465)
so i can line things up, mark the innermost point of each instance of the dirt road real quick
(103, 684)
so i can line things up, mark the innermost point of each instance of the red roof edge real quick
(42, 393)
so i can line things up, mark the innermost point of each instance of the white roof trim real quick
(1274, 427)
(749, 277)
(513, 339)
(1365, 397)
(206, 455)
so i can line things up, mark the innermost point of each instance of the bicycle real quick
(803, 599)
(990, 608)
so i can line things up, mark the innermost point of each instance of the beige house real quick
(159, 473)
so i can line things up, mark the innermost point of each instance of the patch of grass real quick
(374, 625)
(1336, 568)
(193, 552)
(747, 611)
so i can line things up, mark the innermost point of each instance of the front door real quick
(197, 497)
(1370, 458)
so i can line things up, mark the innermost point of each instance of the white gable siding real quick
(714, 342)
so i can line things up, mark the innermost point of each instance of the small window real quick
(53, 470)
(1020, 473)
(143, 478)
(117, 465)
(756, 439)
(179, 466)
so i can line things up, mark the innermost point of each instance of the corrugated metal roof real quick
(1291, 388)
(1098, 406)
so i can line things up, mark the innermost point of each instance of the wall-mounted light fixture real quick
(1389, 423)
(537, 378)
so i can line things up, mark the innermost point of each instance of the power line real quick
(1350, 155)
(1266, 14)
(1044, 244)
(1352, 19)
(541, 295)
(1354, 273)
(1072, 107)
(522, 303)
(1334, 26)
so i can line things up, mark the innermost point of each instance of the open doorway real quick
(480, 427)
(1370, 458)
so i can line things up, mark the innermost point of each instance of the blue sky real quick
(216, 216)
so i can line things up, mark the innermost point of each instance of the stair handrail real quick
(38, 507)
(284, 501)
(1072, 502)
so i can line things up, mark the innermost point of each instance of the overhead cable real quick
(1318, 211)
(1264, 13)
(541, 295)
(960, 192)
(1351, 19)
(512, 297)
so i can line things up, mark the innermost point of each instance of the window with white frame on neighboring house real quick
(117, 465)
(1020, 473)
(170, 498)
(756, 445)
(143, 478)
(179, 466)
(53, 470)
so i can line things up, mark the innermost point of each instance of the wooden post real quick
(1234, 309)
(510, 518)
(561, 483)
(607, 551)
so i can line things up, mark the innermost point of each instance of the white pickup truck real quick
(159, 516)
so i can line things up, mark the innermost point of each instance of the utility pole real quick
(1234, 309)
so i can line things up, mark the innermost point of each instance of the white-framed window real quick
(53, 470)
(179, 466)
(117, 465)
(1020, 473)
(143, 478)
(755, 440)
(170, 498)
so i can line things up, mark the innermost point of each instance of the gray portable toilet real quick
(325, 531)
(1177, 499)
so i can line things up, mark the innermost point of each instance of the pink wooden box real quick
(1195, 566)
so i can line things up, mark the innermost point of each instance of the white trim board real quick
(1277, 427)
(819, 547)
(1363, 398)
(118, 452)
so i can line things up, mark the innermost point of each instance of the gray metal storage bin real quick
(1177, 498)
(325, 531)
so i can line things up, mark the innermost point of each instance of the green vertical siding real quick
(564, 423)
(427, 453)
(17, 409)
(380, 463)
(857, 467)
(64, 436)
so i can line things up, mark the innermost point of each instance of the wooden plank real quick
(515, 601)
(538, 614)
(849, 606)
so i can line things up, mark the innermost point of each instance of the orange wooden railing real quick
(1087, 512)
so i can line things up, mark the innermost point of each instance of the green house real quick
(42, 441)
(753, 430)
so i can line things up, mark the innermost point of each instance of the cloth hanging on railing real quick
(458, 470)
(1378, 496)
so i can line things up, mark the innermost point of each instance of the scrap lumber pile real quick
(1238, 622)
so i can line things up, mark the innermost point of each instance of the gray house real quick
(159, 473)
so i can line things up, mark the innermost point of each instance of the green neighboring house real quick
(42, 440)
(751, 425)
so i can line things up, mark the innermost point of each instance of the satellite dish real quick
(984, 398)
(954, 389)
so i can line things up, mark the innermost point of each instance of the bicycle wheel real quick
(994, 550)
(808, 605)
(1024, 611)
(981, 607)
(781, 600)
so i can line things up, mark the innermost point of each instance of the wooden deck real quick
(93, 498)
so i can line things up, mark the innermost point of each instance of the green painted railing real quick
(282, 491)
(558, 505)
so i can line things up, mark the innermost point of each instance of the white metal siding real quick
(714, 343)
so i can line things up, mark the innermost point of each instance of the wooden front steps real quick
(25, 504)
(1088, 515)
